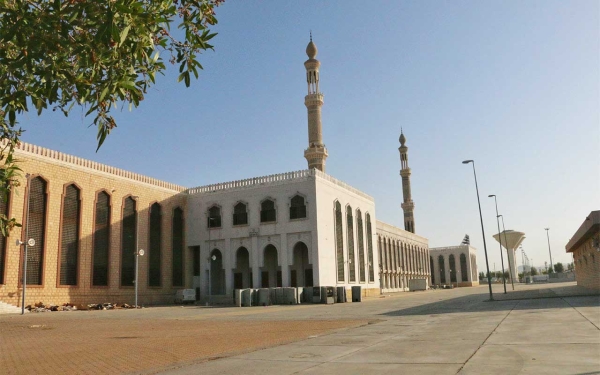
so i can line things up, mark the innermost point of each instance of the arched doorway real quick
(271, 272)
(242, 274)
(452, 264)
(463, 268)
(217, 273)
(442, 269)
(300, 270)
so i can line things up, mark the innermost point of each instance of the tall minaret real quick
(408, 206)
(316, 153)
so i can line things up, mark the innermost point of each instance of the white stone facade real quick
(285, 251)
(456, 265)
(403, 256)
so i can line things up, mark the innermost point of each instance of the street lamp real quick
(30, 242)
(138, 252)
(482, 230)
(500, 238)
(508, 260)
(550, 252)
(213, 258)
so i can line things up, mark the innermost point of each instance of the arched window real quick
(128, 241)
(370, 249)
(350, 239)
(240, 214)
(297, 208)
(442, 269)
(463, 268)
(452, 268)
(214, 217)
(361, 247)
(339, 242)
(101, 240)
(36, 221)
(267, 211)
(4, 199)
(431, 270)
(69, 239)
(154, 255)
(177, 239)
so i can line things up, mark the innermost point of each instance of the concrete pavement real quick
(437, 332)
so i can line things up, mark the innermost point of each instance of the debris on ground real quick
(40, 307)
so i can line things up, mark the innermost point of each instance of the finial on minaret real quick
(408, 205)
(316, 153)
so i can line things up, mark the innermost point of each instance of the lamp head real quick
(491, 195)
(467, 161)
(547, 228)
(214, 257)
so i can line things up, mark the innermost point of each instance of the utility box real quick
(357, 293)
(330, 295)
(341, 295)
(246, 297)
(237, 297)
(264, 297)
(316, 294)
(279, 297)
(290, 296)
(417, 284)
(185, 296)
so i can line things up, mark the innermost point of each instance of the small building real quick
(454, 265)
(585, 247)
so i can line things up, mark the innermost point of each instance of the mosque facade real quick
(301, 228)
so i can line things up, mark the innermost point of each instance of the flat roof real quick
(587, 229)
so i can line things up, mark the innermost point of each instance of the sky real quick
(512, 85)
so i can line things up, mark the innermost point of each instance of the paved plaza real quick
(435, 332)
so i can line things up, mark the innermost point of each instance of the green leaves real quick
(94, 54)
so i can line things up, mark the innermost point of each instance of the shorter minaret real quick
(316, 153)
(408, 206)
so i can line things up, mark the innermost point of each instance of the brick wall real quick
(587, 264)
(59, 170)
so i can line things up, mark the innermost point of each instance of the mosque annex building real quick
(302, 228)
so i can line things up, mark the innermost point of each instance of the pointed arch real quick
(350, 239)
(268, 211)
(177, 235)
(36, 220)
(463, 268)
(370, 249)
(155, 248)
(361, 247)
(101, 241)
(128, 240)
(69, 233)
(339, 243)
(298, 207)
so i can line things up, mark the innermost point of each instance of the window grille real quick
(101, 240)
(339, 242)
(214, 217)
(370, 249)
(361, 247)
(37, 230)
(463, 268)
(69, 250)
(154, 255)
(128, 240)
(4, 199)
(240, 214)
(297, 208)
(267, 211)
(350, 235)
(177, 247)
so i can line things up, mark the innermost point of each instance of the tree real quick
(534, 271)
(481, 276)
(570, 266)
(93, 54)
(559, 268)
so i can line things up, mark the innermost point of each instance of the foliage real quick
(481, 276)
(559, 267)
(534, 271)
(93, 54)
(570, 266)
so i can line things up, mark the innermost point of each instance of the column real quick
(285, 265)
(255, 262)
(228, 264)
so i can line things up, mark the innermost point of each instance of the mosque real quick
(301, 228)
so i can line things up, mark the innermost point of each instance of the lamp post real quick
(512, 279)
(500, 238)
(138, 252)
(550, 252)
(482, 230)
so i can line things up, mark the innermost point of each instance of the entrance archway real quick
(242, 274)
(271, 272)
(301, 272)
(217, 273)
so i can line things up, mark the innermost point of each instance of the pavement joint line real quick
(487, 338)
(579, 312)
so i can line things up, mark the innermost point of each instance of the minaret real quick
(316, 153)
(408, 206)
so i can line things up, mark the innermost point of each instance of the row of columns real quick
(400, 262)
(462, 275)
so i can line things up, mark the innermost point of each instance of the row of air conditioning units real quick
(294, 296)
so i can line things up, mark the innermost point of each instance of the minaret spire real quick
(407, 206)
(316, 153)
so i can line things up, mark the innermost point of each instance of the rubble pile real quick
(42, 307)
(109, 306)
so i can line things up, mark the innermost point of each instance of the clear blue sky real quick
(513, 85)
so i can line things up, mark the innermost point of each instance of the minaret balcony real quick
(313, 99)
(405, 172)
